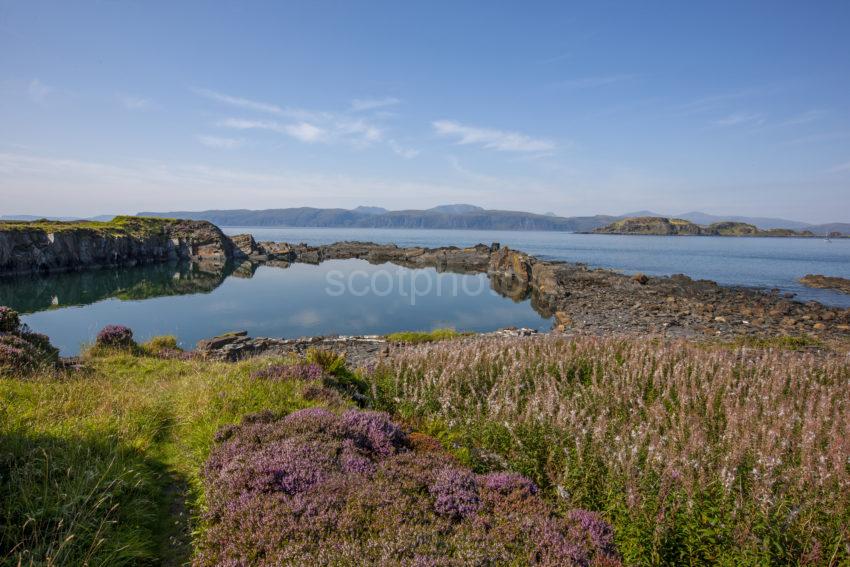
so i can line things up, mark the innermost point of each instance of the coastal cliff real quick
(49, 246)
(662, 226)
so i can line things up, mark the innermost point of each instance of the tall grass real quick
(697, 456)
(95, 466)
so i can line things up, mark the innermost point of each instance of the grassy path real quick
(99, 467)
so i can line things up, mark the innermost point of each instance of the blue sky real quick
(725, 107)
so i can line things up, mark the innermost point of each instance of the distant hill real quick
(29, 218)
(707, 219)
(644, 214)
(830, 228)
(663, 226)
(761, 222)
(369, 210)
(445, 217)
(450, 216)
(471, 217)
(456, 209)
(650, 225)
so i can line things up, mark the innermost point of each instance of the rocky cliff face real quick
(59, 246)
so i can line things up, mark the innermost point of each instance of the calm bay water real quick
(194, 301)
(752, 262)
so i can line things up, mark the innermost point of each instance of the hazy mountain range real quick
(445, 216)
(453, 216)
(103, 218)
(458, 216)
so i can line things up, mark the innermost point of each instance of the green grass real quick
(697, 455)
(160, 343)
(785, 342)
(119, 226)
(416, 337)
(96, 467)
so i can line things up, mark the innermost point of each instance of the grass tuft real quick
(417, 337)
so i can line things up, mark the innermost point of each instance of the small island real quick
(662, 226)
(826, 282)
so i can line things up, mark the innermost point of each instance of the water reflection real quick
(520, 292)
(40, 292)
(277, 299)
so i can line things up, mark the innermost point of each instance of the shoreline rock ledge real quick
(826, 282)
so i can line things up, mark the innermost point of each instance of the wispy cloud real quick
(714, 102)
(244, 124)
(806, 117)
(596, 81)
(399, 150)
(818, 138)
(131, 102)
(306, 125)
(840, 168)
(303, 131)
(240, 102)
(265, 107)
(360, 104)
(555, 58)
(738, 118)
(221, 143)
(490, 138)
(353, 132)
(38, 91)
(361, 129)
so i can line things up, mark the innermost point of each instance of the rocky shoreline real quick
(359, 350)
(579, 299)
(595, 301)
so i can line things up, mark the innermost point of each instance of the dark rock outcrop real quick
(507, 263)
(245, 245)
(63, 246)
(450, 258)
